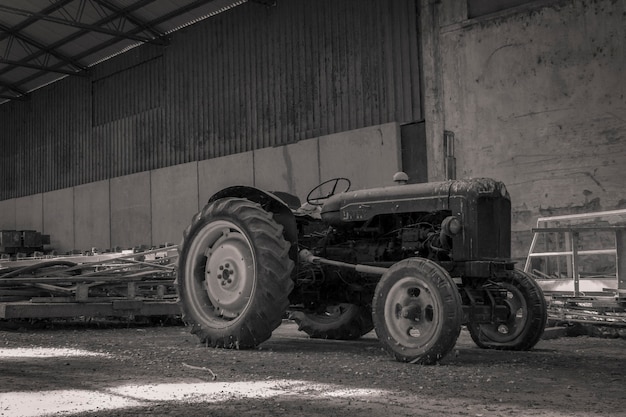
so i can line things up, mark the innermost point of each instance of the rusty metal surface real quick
(361, 205)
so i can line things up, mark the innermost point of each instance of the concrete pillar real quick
(432, 88)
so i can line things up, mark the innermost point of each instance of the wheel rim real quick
(514, 325)
(412, 313)
(220, 272)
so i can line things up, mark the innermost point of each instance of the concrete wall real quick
(92, 228)
(29, 212)
(154, 207)
(536, 98)
(58, 217)
(216, 174)
(131, 211)
(7, 214)
(174, 199)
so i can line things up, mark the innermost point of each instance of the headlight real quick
(451, 226)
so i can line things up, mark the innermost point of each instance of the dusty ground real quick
(162, 371)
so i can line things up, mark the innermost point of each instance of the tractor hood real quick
(363, 205)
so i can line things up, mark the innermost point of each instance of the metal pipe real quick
(306, 256)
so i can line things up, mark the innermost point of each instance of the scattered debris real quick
(201, 368)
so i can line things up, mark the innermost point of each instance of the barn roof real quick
(42, 41)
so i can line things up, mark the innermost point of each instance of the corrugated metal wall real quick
(249, 78)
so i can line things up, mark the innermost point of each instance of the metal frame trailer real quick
(124, 284)
(579, 261)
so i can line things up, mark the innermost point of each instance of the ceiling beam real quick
(128, 15)
(91, 28)
(121, 12)
(180, 11)
(74, 36)
(43, 48)
(27, 22)
(12, 87)
(40, 67)
(154, 22)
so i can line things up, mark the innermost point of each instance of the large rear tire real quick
(417, 311)
(234, 274)
(337, 322)
(526, 319)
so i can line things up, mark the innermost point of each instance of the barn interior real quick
(120, 120)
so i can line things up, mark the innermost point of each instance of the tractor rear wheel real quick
(526, 319)
(417, 311)
(234, 274)
(337, 322)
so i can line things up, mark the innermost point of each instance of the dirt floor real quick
(162, 371)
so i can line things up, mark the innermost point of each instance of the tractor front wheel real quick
(526, 319)
(417, 311)
(234, 274)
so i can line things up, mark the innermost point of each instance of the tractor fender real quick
(270, 203)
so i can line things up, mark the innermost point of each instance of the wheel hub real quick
(229, 274)
(503, 329)
(411, 312)
(512, 323)
(226, 274)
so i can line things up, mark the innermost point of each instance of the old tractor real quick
(415, 262)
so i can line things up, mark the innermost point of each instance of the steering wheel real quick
(328, 189)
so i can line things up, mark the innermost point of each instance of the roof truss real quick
(81, 30)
